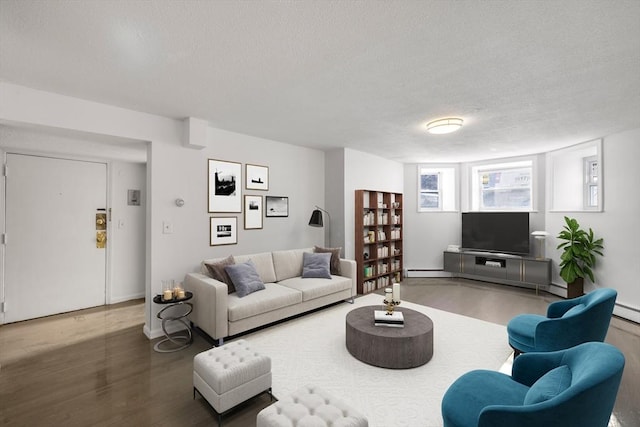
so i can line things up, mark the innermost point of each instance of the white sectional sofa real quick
(286, 293)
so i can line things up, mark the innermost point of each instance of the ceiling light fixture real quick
(442, 126)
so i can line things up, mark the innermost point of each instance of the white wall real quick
(567, 167)
(295, 172)
(175, 171)
(127, 232)
(364, 171)
(431, 232)
(427, 234)
(334, 197)
(617, 224)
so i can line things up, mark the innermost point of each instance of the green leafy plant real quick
(580, 250)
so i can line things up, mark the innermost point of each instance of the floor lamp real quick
(316, 220)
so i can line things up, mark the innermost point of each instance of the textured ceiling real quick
(526, 76)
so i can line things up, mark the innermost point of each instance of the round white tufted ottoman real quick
(310, 406)
(229, 375)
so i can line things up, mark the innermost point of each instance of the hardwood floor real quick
(96, 368)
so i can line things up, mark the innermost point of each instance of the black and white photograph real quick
(276, 206)
(256, 177)
(224, 186)
(223, 231)
(252, 212)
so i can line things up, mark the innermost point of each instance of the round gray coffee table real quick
(387, 347)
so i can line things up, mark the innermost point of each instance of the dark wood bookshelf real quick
(378, 239)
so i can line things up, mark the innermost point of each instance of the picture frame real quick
(223, 231)
(256, 177)
(253, 208)
(276, 206)
(224, 186)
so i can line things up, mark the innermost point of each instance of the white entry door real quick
(52, 264)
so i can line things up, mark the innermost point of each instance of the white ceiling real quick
(526, 76)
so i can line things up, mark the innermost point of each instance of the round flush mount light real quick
(442, 126)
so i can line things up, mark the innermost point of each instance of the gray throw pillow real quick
(316, 265)
(245, 278)
(334, 264)
(217, 271)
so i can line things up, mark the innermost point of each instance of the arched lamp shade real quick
(316, 218)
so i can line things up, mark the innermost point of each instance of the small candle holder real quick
(390, 305)
(389, 301)
(178, 292)
(167, 290)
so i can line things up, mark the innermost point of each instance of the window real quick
(503, 186)
(591, 182)
(430, 191)
(436, 188)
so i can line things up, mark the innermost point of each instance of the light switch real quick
(167, 227)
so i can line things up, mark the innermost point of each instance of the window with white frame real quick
(430, 191)
(436, 188)
(503, 186)
(591, 182)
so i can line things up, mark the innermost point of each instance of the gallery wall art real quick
(224, 186)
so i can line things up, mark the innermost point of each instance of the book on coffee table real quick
(382, 318)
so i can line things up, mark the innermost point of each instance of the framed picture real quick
(252, 212)
(224, 186)
(276, 206)
(256, 177)
(223, 231)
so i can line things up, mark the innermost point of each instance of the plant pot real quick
(576, 288)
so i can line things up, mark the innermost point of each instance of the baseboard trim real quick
(425, 272)
(116, 300)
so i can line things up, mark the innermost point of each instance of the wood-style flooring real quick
(95, 367)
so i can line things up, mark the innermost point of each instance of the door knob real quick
(101, 239)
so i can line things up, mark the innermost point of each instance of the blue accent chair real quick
(567, 323)
(576, 387)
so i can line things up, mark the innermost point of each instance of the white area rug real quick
(311, 350)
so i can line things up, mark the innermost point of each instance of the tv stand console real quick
(499, 268)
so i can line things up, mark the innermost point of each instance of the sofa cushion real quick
(216, 271)
(316, 288)
(288, 264)
(245, 278)
(335, 258)
(549, 385)
(271, 298)
(316, 265)
(264, 265)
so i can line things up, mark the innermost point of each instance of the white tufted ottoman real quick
(229, 375)
(310, 406)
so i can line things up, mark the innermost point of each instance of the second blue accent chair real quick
(567, 323)
(567, 388)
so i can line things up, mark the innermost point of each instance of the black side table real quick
(176, 310)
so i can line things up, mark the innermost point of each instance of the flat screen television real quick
(504, 232)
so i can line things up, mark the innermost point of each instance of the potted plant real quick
(578, 257)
